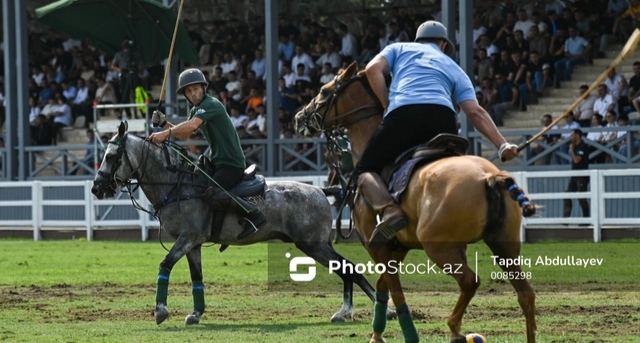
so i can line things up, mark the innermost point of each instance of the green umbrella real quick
(106, 23)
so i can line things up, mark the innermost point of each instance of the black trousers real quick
(577, 184)
(403, 128)
(226, 176)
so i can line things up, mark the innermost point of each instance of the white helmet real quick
(435, 29)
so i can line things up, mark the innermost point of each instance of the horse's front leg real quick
(183, 244)
(197, 286)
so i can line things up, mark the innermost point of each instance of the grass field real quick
(78, 291)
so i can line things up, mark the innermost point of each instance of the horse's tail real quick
(501, 181)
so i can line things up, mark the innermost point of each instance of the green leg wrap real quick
(197, 289)
(406, 324)
(379, 317)
(162, 286)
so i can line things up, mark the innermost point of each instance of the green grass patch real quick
(78, 291)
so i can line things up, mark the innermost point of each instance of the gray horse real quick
(296, 212)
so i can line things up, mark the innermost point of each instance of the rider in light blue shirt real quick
(422, 74)
(417, 107)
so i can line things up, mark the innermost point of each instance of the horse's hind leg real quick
(452, 259)
(526, 295)
(323, 253)
(194, 257)
(182, 246)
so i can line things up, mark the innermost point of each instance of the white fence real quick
(96, 211)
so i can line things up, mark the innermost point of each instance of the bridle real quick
(318, 122)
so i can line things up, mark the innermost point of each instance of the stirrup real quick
(385, 232)
(249, 229)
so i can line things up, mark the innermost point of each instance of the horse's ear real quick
(122, 129)
(351, 70)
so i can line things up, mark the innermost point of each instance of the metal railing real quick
(42, 205)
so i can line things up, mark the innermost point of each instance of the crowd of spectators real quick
(521, 50)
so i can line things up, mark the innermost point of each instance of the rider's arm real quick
(185, 129)
(376, 70)
(482, 121)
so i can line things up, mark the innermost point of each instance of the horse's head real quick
(112, 173)
(336, 103)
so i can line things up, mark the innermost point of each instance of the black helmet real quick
(190, 77)
(435, 29)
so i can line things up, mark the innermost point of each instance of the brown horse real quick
(449, 203)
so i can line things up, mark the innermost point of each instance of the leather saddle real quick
(251, 183)
(397, 174)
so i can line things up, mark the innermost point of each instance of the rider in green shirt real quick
(227, 161)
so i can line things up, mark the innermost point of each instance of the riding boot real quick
(371, 186)
(251, 218)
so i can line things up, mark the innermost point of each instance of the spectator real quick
(549, 139)
(623, 148)
(42, 131)
(234, 86)
(349, 46)
(523, 24)
(489, 94)
(594, 136)
(217, 80)
(485, 43)
(508, 99)
(505, 30)
(329, 56)
(327, 74)
(538, 43)
(259, 65)
(556, 50)
(34, 111)
(370, 44)
(61, 117)
(576, 49)
(521, 44)
(105, 94)
(538, 77)
(634, 87)
(286, 48)
(288, 97)
(230, 64)
(583, 113)
(69, 90)
(569, 124)
(288, 75)
(485, 67)
(628, 21)
(237, 119)
(46, 91)
(579, 161)
(506, 67)
(478, 30)
(604, 102)
(81, 105)
(254, 99)
(302, 58)
(618, 89)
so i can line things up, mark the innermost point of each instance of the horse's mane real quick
(159, 150)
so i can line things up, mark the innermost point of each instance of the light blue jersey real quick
(422, 74)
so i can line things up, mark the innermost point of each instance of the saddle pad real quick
(400, 178)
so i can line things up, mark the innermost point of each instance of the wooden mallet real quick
(168, 65)
(626, 52)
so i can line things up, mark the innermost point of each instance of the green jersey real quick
(217, 128)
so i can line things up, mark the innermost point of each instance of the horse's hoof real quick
(342, 316)
(391, 314)
(459, 339)
(161, 313)
(192, 318)
(375, 339)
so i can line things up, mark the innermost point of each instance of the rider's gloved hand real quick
(157, 119)
(508, 151)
